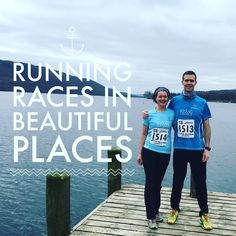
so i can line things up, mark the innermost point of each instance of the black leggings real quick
(155, 165)
(198, 169)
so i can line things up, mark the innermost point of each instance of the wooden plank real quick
(194, 222)
(139, 210)
(164, 195)
(167, 199)
(211, 196)
(183, 206)
(140, 216)
(139, 188)
(185, 200)
(109, 208)
(123, 213)
(120, 226)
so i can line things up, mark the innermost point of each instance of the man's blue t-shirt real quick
(159, 130)
(189, 117)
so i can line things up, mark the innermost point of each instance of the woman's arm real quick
(141, 144)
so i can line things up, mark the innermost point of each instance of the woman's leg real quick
(154, 172)
(163, 161)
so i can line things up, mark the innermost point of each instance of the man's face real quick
(189, 83)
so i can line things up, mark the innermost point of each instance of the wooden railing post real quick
(192, 188)
(58, 204)
(114, 171)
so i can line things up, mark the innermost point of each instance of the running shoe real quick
(172, 217)
(205, 222)
(159, 218)
(152, 224)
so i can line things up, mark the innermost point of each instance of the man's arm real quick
(145, 114)
(207, 139)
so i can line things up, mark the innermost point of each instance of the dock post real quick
(192, 188)
(114, 171)
(58, 204)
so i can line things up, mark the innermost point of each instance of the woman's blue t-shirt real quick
(159, 130)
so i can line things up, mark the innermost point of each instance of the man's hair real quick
(189, 72)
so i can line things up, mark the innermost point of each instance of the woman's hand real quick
(139, 159)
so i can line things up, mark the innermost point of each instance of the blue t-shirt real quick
(188, 123)
(159, 130)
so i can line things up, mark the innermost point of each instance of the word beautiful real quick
(31, 121)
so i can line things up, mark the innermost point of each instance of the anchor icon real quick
(72, 36)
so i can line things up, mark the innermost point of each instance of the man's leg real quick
(198, 169)
(180, 170)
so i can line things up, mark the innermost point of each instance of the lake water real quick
(22, 198)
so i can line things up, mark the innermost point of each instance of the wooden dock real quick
(123, 213)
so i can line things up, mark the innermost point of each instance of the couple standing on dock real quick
(189, 115)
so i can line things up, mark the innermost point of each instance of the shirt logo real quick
(186, 112)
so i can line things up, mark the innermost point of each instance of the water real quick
(22, 198)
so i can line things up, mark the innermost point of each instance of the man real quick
(192, 133)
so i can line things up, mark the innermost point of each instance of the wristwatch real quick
(208, 148)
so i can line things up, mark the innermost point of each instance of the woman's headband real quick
(160, 89)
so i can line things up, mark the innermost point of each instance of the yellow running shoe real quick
(205, 222)
(172, 217)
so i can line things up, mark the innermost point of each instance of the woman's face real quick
(162, 98)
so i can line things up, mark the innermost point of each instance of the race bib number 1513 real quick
(186, 128)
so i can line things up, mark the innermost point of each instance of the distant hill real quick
(6, 84)
(6, 81)
(225, 95)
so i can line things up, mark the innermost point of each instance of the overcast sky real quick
(159, 39)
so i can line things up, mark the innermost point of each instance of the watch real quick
(208, 148)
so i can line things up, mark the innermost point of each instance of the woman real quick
(154, 152)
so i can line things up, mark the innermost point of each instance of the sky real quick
(158, 39)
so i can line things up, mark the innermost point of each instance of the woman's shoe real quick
(152, 224)
(159, 218)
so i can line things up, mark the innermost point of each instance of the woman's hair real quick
(160, 89)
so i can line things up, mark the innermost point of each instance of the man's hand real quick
(145, 114)
(205, 156)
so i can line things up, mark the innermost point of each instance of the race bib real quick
(186, 128)
(159, 136)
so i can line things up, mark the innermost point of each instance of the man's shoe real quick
(159, 218)
(172, 217)
(152, 224)
(205, 222)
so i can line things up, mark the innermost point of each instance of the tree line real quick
(212, 96)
